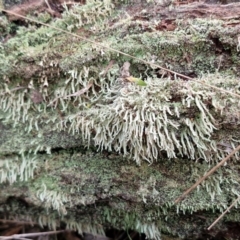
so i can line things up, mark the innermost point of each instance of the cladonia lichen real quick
(57, 88)
(13, 169)
(175, 118)
(146, 122)
(52, 199)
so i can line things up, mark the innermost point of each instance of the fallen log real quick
(86, 145)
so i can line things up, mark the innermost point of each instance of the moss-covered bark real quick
(81, 146)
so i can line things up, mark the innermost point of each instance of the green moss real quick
(86, 146)
(80, 184)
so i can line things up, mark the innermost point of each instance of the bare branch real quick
(78, 93)
(25, 235)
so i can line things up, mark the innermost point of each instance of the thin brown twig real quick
(120, 52)
(78, 93)
(227, 210)
(108, 67)
(207, 175)
(23, 235)
(48, 5)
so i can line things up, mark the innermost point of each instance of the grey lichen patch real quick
(80, 183)
(52, 199)
(189, 49)
(34, 42)
(63, 95)
(13, 169)
(131, 221)
(88, 14)
(175, 118)
(143, 122)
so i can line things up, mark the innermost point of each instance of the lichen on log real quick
(80, 142)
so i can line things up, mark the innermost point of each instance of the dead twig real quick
(26, 235)
(227, 210)
(207, 175)
(48, 5)
(78, 93)
(107, 68)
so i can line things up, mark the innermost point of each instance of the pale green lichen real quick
(13, 169)
(146, 121)
(153, 126)
(52, 199)
(88, 14)
(145, 205)
(140, 122)
(167, 119)
(131, 221)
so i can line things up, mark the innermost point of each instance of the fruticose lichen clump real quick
(78, 93)
(165, 117)
(60, 94)
(12, 169)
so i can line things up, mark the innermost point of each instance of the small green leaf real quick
(138, 81)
